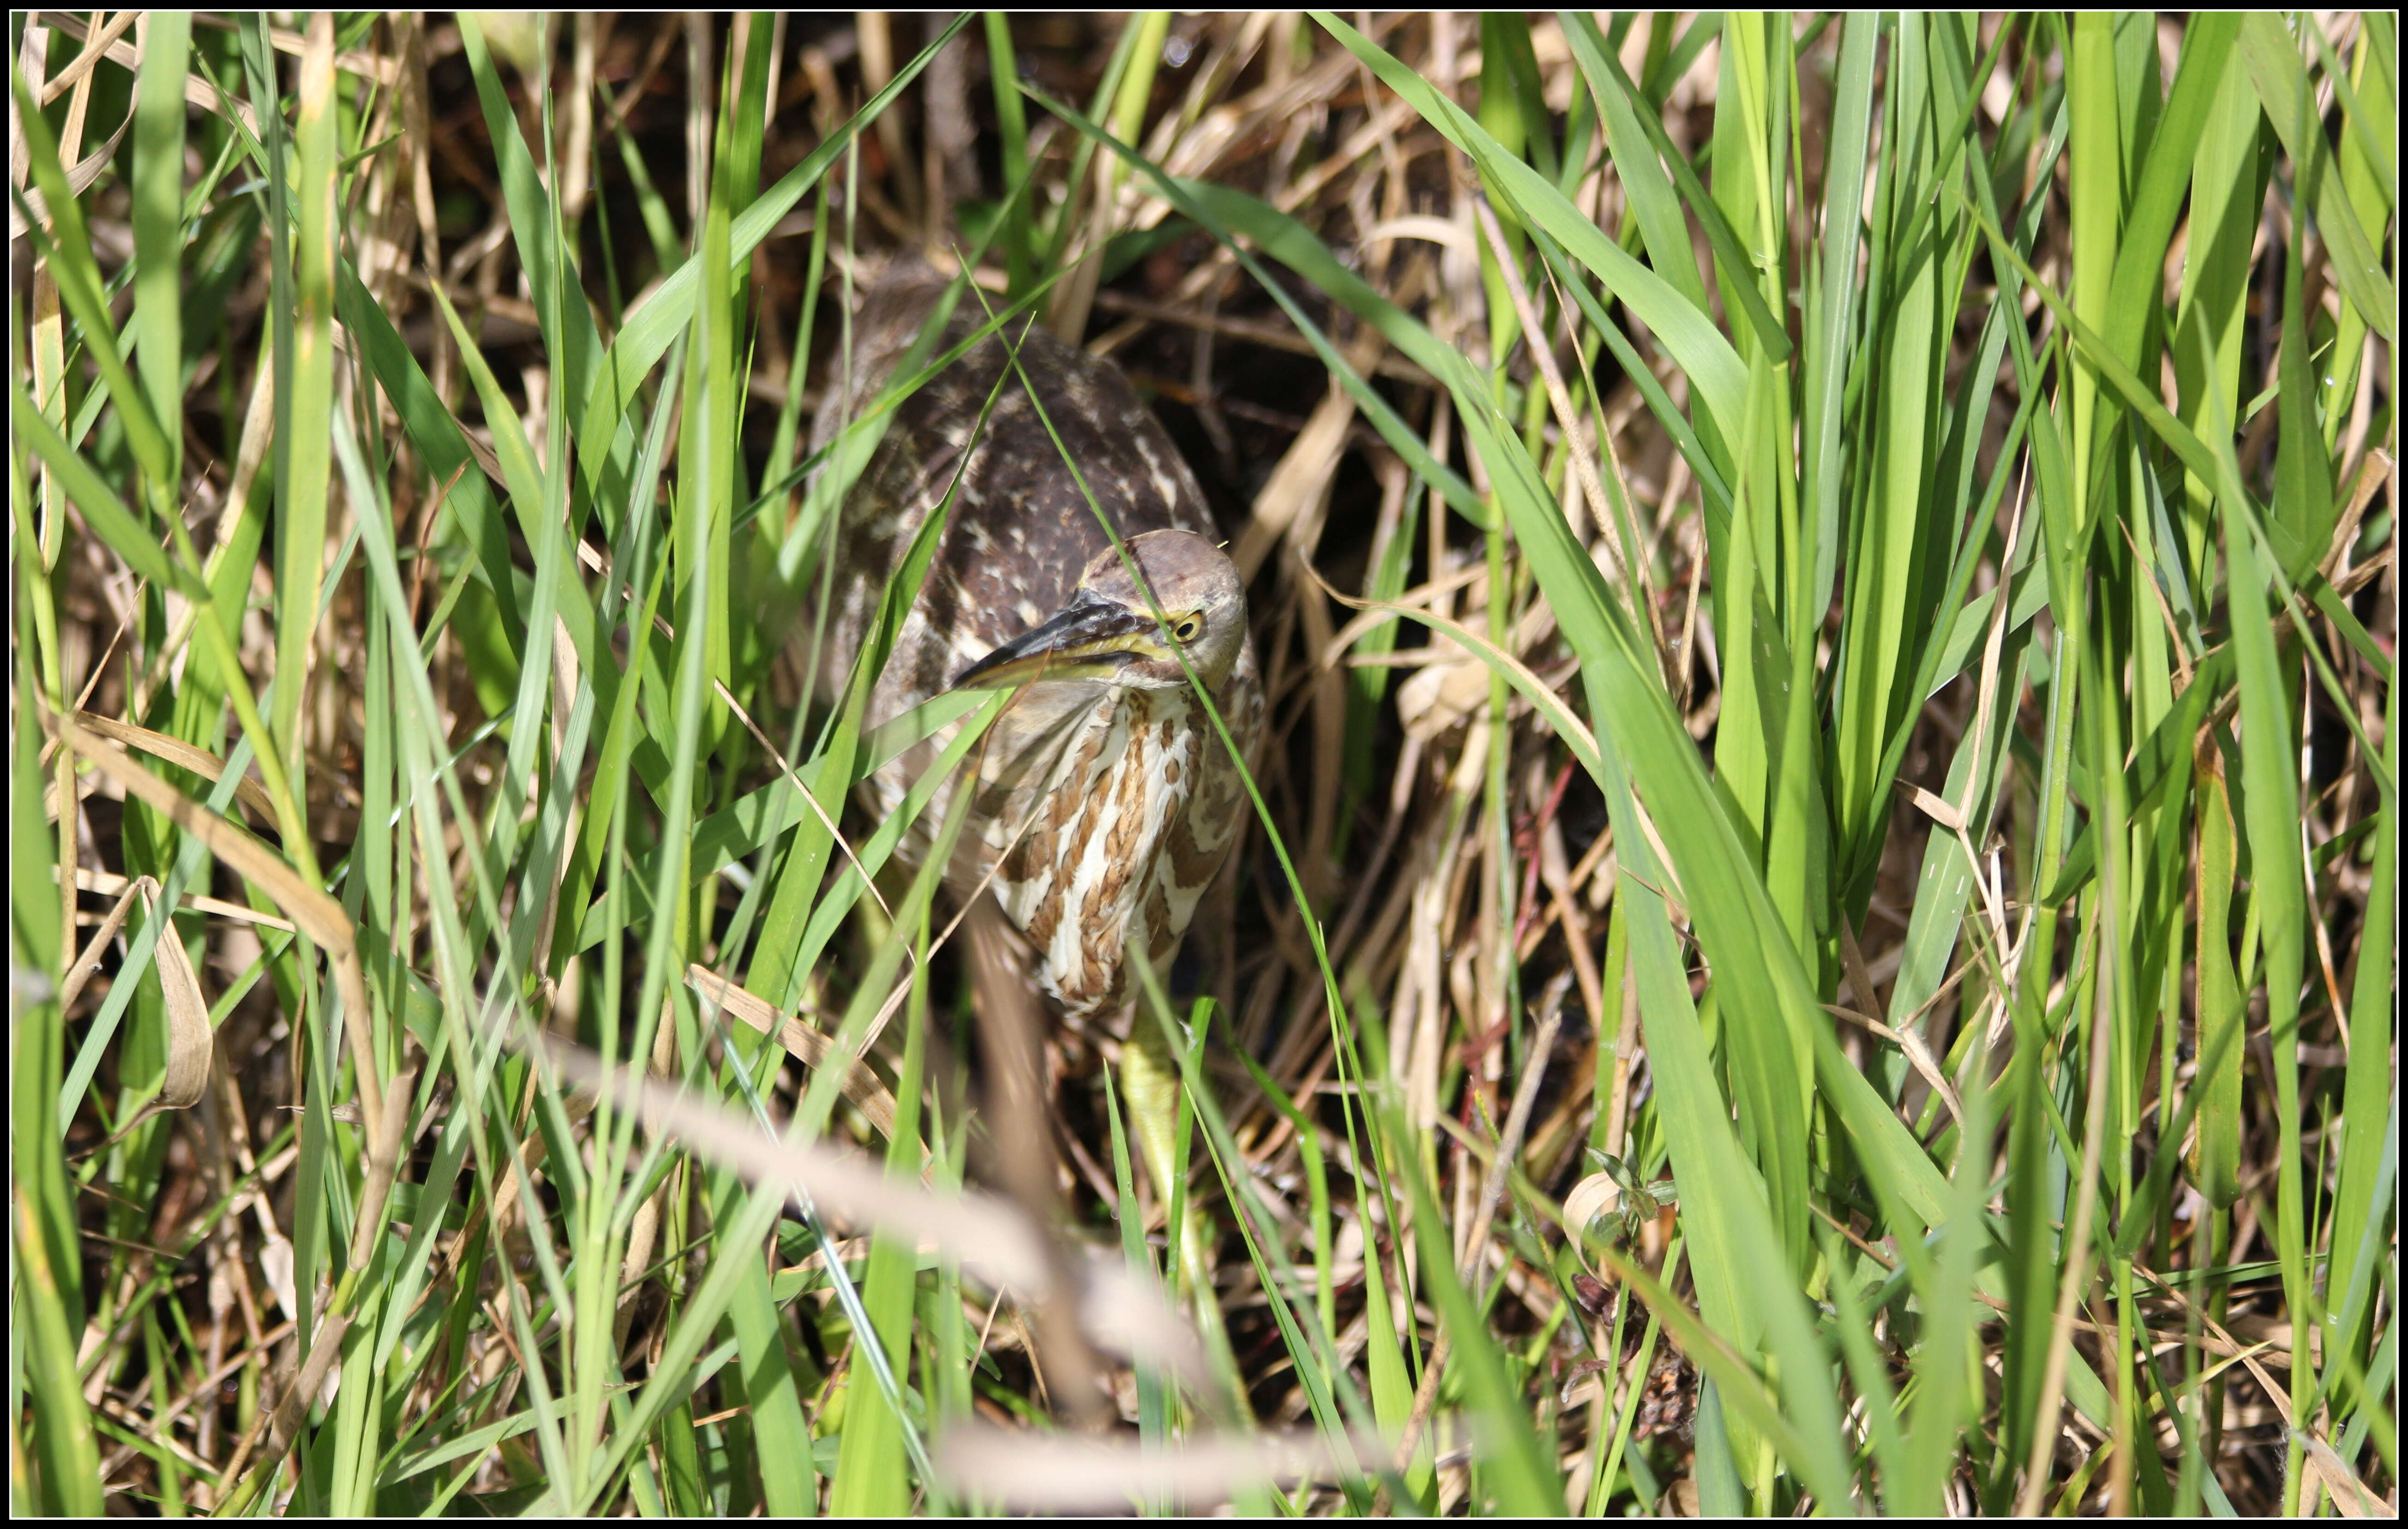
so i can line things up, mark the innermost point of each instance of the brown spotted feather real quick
(1055, 812)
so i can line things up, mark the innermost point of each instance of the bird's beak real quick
(1086, 639)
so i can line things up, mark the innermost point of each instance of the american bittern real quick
(1105, 799)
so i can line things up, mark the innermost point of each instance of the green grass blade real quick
(158, 220)
(1832, 303)
(2368, 1138)
(2280, 72)
(71, 264)
(1686, 332)
(48, 1289)
(306, 436)
(1643, 151)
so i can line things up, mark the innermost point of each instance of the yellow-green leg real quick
(1150, 1082)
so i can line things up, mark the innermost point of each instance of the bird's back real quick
(1020, 528)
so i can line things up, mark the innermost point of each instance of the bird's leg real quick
(1150, 1079)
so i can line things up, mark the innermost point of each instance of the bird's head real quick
(1107, 632)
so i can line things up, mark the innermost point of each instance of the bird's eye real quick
(1186, 630)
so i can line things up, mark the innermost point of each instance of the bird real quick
(1103, 800)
